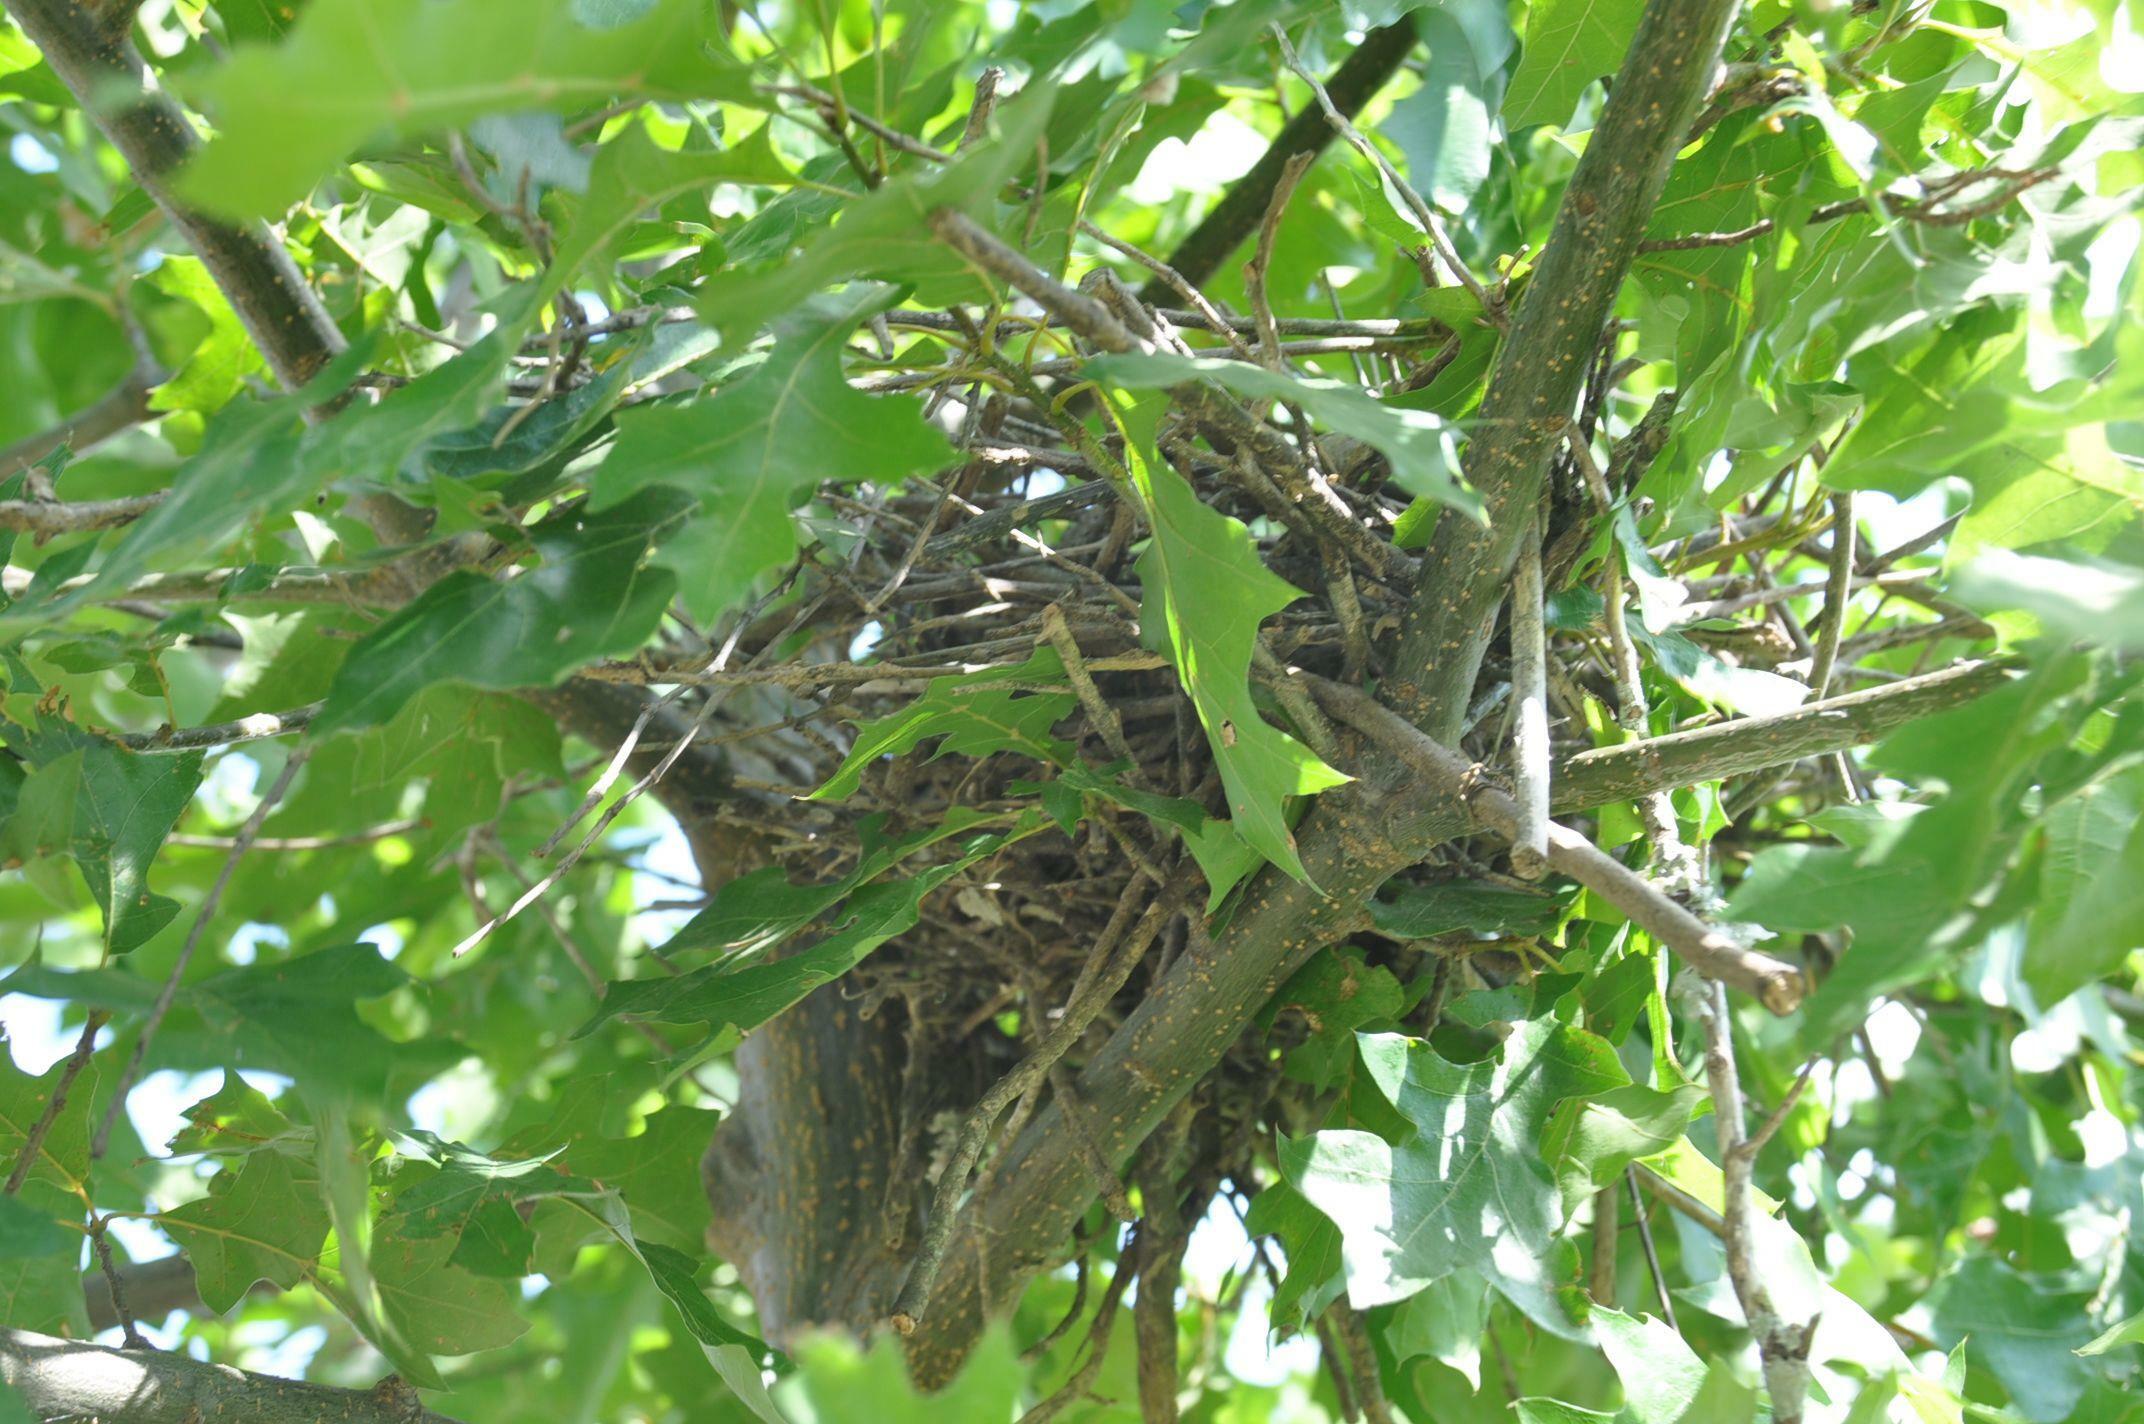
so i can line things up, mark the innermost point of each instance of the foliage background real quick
(458, 1157)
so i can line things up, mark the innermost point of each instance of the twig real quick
(296, 843)
(1652, 1253)
(100, 1237)
(1656, 810)
(1838, 593)
(1107, 724)
(33, 1142)
(1529, 736)
(1359, 76)
(1361, 1362)
(1773, 983)
(1254, 271)
(1424, 216)
(1083, 314)
(255, 727)
(240, 843)
(1783, 1348)
(126, 406)
(1073, 1390)
(1607, 1229)
(45, 518)
(1925, 210)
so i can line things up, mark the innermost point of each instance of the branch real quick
(69, 1379)
(1777, 985)
(46, 517)
(1923, 210)
(100, 66)
(1782, 1349)
(1623, 773)
(124, 407)
(1224, 229)
(1543, 366)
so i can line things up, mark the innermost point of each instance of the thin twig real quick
(130, 1334)
(1425, 217)
(1838, 593)
(33, 1142)
(1254, 271)
(247, 833)
(1656, 810)
(1652, 1253)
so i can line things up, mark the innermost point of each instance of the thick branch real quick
(1552, 344)
(68, 1379)
(1223, 230)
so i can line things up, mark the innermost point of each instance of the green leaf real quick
(749, 451)
(1592, 1140)
(974, 715)
(1537, 1409)
(1212, 840)
(655, 1172)
(1421, 446)
(2027, 1338)
(1472, 1189)
(1661, 1375)
(107, 807)
(298, 1016)
(217, 368)
(1206, 592)
(1337, 993)
(2088, 915)
(1568, 45)
(633, 173)
(754, 913)
(1443, 1321)
(236, 1119)
(1311, 1242)
(2072, 597)
(251, 461)
(734, 1354)
(475, 1199)
(2124, 1332)
(588, 597)
(886, 233)
(28, 1230)
(263, 1221)
(843, 1380)
(722, 996)
(434, 1305)
(353, 70)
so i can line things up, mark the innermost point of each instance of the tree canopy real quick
(1084, 710)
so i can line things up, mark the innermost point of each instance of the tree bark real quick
(68, 1379)
(812, 1201)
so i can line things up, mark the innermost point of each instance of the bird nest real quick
(1028, 546)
